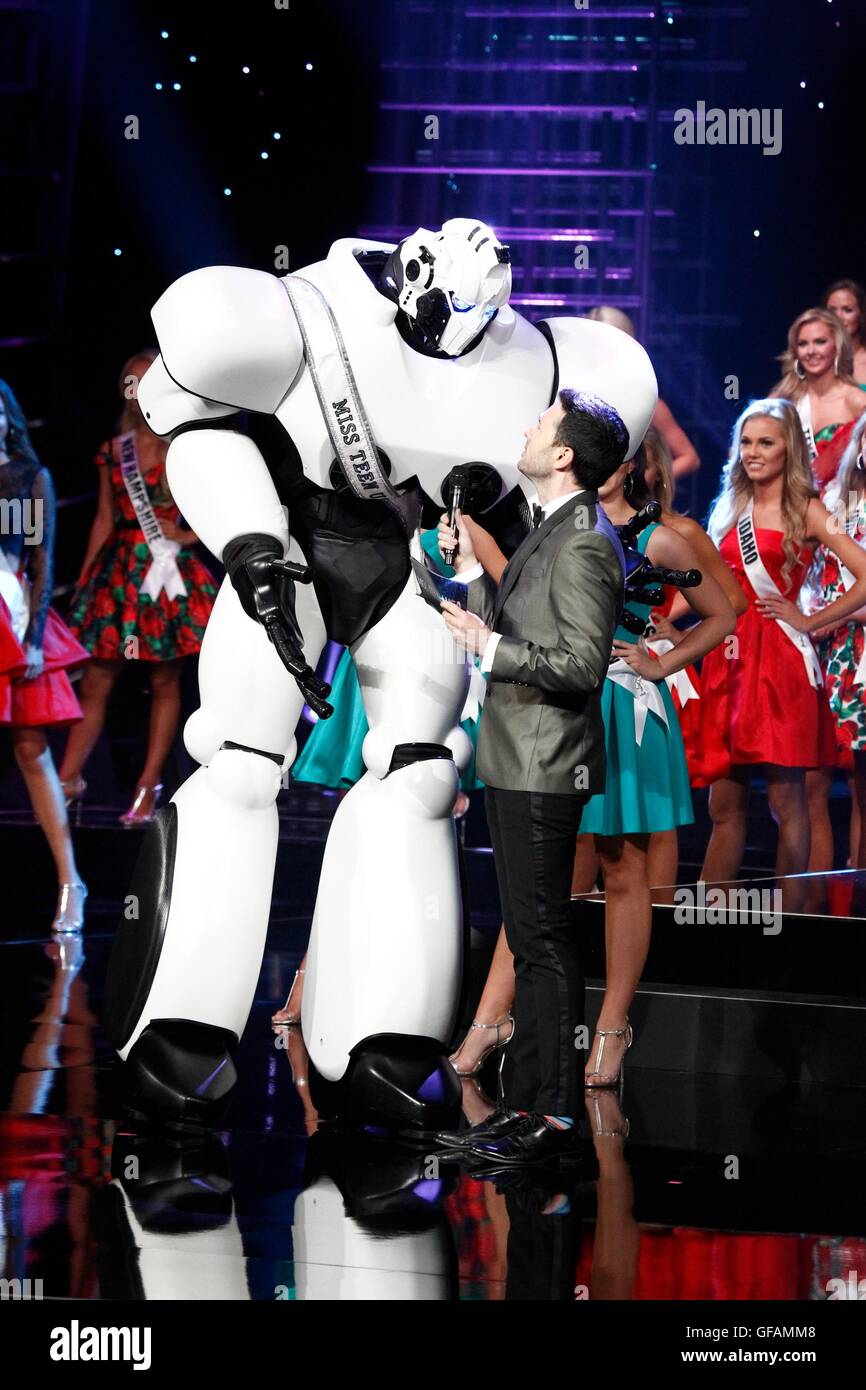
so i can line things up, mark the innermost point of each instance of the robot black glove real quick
(265, 585)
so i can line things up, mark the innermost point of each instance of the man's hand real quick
(457, 538)
(467, 629)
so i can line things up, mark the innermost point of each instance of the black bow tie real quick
(537, 515)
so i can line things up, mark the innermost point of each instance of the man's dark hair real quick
(595, 433)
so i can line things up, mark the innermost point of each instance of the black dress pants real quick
(533, 837)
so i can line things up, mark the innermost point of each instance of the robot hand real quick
(265, 584)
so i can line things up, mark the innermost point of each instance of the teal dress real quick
(331, 756)
(646, 785)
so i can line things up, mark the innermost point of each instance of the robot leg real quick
(188, 951)
(385, 962)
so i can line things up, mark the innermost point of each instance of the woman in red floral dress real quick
(136, 599)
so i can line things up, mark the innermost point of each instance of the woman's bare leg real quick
(584, 877)
(858, 855)
(786, 794)
(728, 802)
(663, 858)
(496, 1000)
(164, 719)
(36, 764)
(627, 926)
(96, 685)
(819, 780)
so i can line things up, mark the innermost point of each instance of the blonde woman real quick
(817, 376)
(764, 702)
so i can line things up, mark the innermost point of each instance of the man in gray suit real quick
(545, 635)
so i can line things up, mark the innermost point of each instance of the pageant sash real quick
(340, 402)
(163, 572)
(765, 587)
(16, 597)
(645, 693)
(680, 682)
(804, 410)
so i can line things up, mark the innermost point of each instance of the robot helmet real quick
(450, 284)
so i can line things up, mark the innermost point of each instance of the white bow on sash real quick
(163, 572)
(680, 682)
(645, 693)
(475, 694)
(765, 587)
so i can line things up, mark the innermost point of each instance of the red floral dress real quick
(109, 609)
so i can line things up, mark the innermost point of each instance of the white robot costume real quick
(374, 374)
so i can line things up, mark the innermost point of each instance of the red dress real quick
(47, 699)
(110, 614)
(758, 705)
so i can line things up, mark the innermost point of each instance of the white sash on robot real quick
(645, 693)
(765, 587)
(163, 572)
(680, 681)
(804, 410)
(16, 597)
(340, 402)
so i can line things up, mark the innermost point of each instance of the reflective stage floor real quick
(725, 1186)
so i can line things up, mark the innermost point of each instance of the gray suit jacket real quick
(556, 606)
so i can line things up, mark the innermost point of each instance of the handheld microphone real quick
(458, 486)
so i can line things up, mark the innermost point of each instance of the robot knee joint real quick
(249, 777)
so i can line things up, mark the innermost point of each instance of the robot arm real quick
(229, 341)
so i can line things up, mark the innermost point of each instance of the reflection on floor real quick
(723, 1187)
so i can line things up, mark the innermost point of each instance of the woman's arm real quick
(103, 524)
(40, 571)
(709, 562)
(666, 548)
(685, 456)
(823, 529)
(489, 556)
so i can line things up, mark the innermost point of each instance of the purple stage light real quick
(519, 171)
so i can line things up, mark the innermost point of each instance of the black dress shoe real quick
(532, 1141)
(496, 1126)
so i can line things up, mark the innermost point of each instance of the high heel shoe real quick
(69, 916)
(73, 789)
(598, 1119)
(608, 1080)
(135, 815)
(487, 1051)
(292, 1020)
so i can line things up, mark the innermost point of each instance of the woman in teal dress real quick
(646, 792)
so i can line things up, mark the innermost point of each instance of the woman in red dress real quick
(36, 648)
(763, 702)
(136, 599)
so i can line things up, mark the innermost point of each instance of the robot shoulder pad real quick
(601, 359)
(230, 335)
